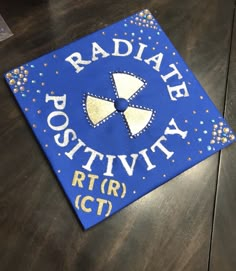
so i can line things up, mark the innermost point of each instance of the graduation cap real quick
(117, 113)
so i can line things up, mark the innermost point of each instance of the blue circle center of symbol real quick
(121, 104)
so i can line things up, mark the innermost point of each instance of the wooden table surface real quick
(188, 223)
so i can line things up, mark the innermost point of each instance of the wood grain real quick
(168, 229)
(224, 231)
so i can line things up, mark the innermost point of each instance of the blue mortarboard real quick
(117, 113)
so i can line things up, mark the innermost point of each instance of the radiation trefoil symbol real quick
(126, 86)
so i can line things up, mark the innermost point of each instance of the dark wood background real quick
(187, 224)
